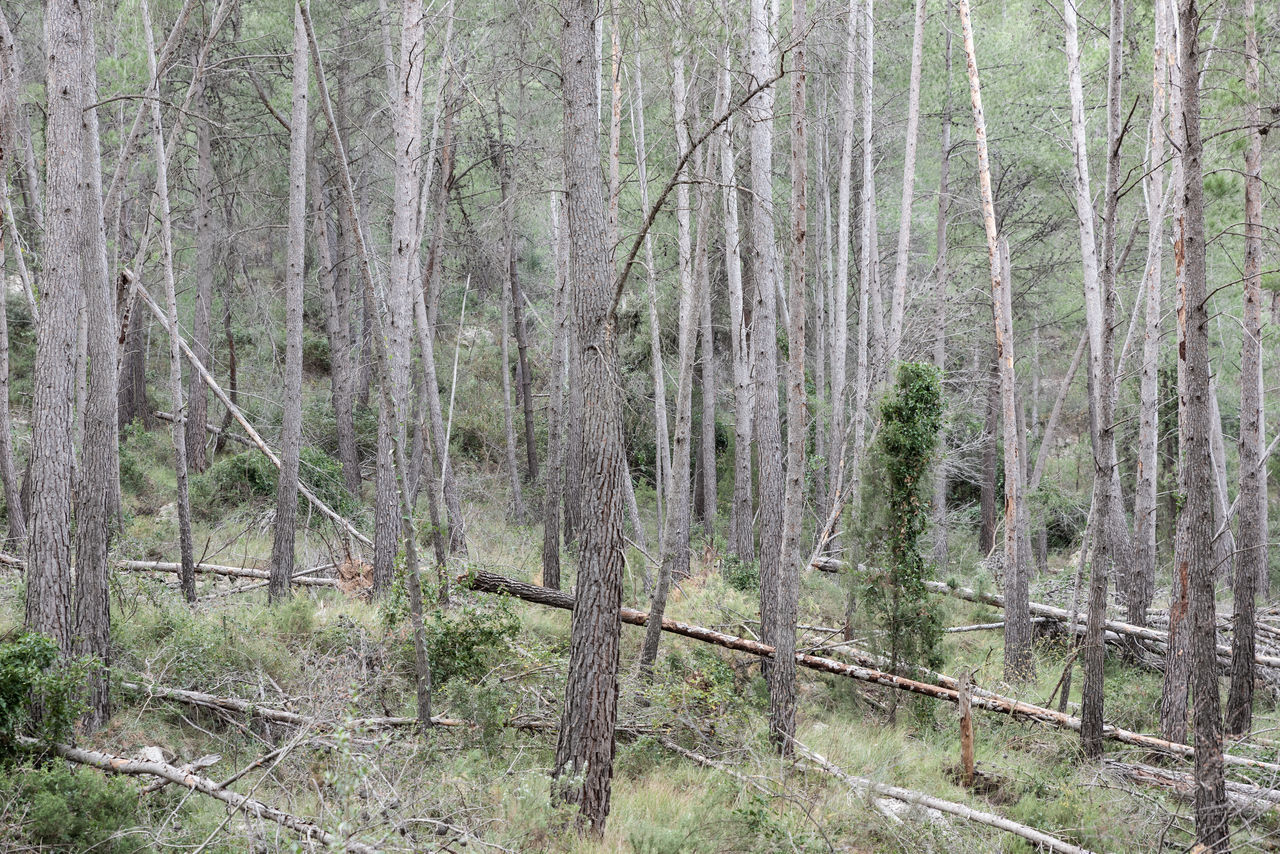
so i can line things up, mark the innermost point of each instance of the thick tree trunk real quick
(583, 771)
(902, 258)
(98, 492)
(1210, 800)
(201, 326)
(186, 546)
(48, 600)
(294, 283)
(764, 331)
(1251, 561)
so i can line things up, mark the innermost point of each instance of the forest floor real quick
(499, 664)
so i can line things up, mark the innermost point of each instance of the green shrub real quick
(315, 352)
(39, 690)
(56, 808)
(323, 475)
(462, 639)
(740, 574)
(232, 481)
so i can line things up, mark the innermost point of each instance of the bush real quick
(55, 808)
(33, 671)
(740, 574)
(462, 639)
(247, 476)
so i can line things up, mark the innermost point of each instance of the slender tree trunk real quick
(9, 142)
(987, 489)
(741, 538)
(662, 435)
(583, 770)
(508, 418)
(782, 674)
(555, 412)
(675, 537)
(186, 546)
(1018, 663)
(870, 312)
(1210, 798)
(517, 307)
(902, 258)
(1251, 562)
(707, 350)
(294, 283)
(941, 278)
(201, 327)
(98, 492)
(764, 331)
(1143, 579)
(837, 438)
(336, 287)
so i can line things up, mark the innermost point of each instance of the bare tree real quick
(294, 285)
(584, 753)
(1018, 662)
(1251, 561)
(201, 326)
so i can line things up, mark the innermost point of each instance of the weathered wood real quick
(1242, 798)
(1038, 838)
(113, 764)
(966, 732)
(491, 583)
(215, 569)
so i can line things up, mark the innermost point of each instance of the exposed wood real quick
(230, 571)
(113, 764)
(966, 732)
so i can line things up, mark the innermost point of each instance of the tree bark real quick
(555, 412)
(941, 277)
(336, 286)
(9, 106)
(1251, 561)
(583, 770)
(1197, 561)
(98, 491)
(1019, 664)
(764, 331)
(987, 488)
(201, 326)
(902, 258)
(294, 284)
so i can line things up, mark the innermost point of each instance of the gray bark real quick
(555, 412)
(201, 326)
(941, 277)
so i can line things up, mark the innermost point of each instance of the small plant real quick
(39, 691)
(55, 808)
(742, 575)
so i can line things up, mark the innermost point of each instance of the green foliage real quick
(315, 352)
(463, 638)
(322, 474)
(57, 808)
(248, 475)
(742, 575)
(911, 419)
(39, 690)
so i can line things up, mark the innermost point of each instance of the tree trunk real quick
(1019, 665)
(517, 308)
(98, 492)
(987, 488)
(902, 258)
(870, 312)
(294, 284)
(186, 546)
(583, 769)
(1143, 577)
(941, 277)
(782, 675)
(1251, 562)
(675, 537)
(201, 327)
(336, 287)
(764, 331)
(707, 351)
(516, 506)
(1210, 800)
(555, 412)
(9, 106)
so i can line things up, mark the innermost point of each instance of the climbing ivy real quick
(911, 417)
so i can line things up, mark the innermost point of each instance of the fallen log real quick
(1038, 838)
(301, 578)
(1143, 633)
(488, 582)
(1242, 798)
(281, 716)
(210, 429)
(112, 764)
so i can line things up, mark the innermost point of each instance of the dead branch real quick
(302, 577)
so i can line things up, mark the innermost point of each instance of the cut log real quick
(488, 582)
(1038, 838)
(112, 764)
(231, 571)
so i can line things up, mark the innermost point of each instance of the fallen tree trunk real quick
(1037, 837)
(490, 583)
(112, 764)
(1142, 633)
(230, 571)
(1242, 798)
(209, 428)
